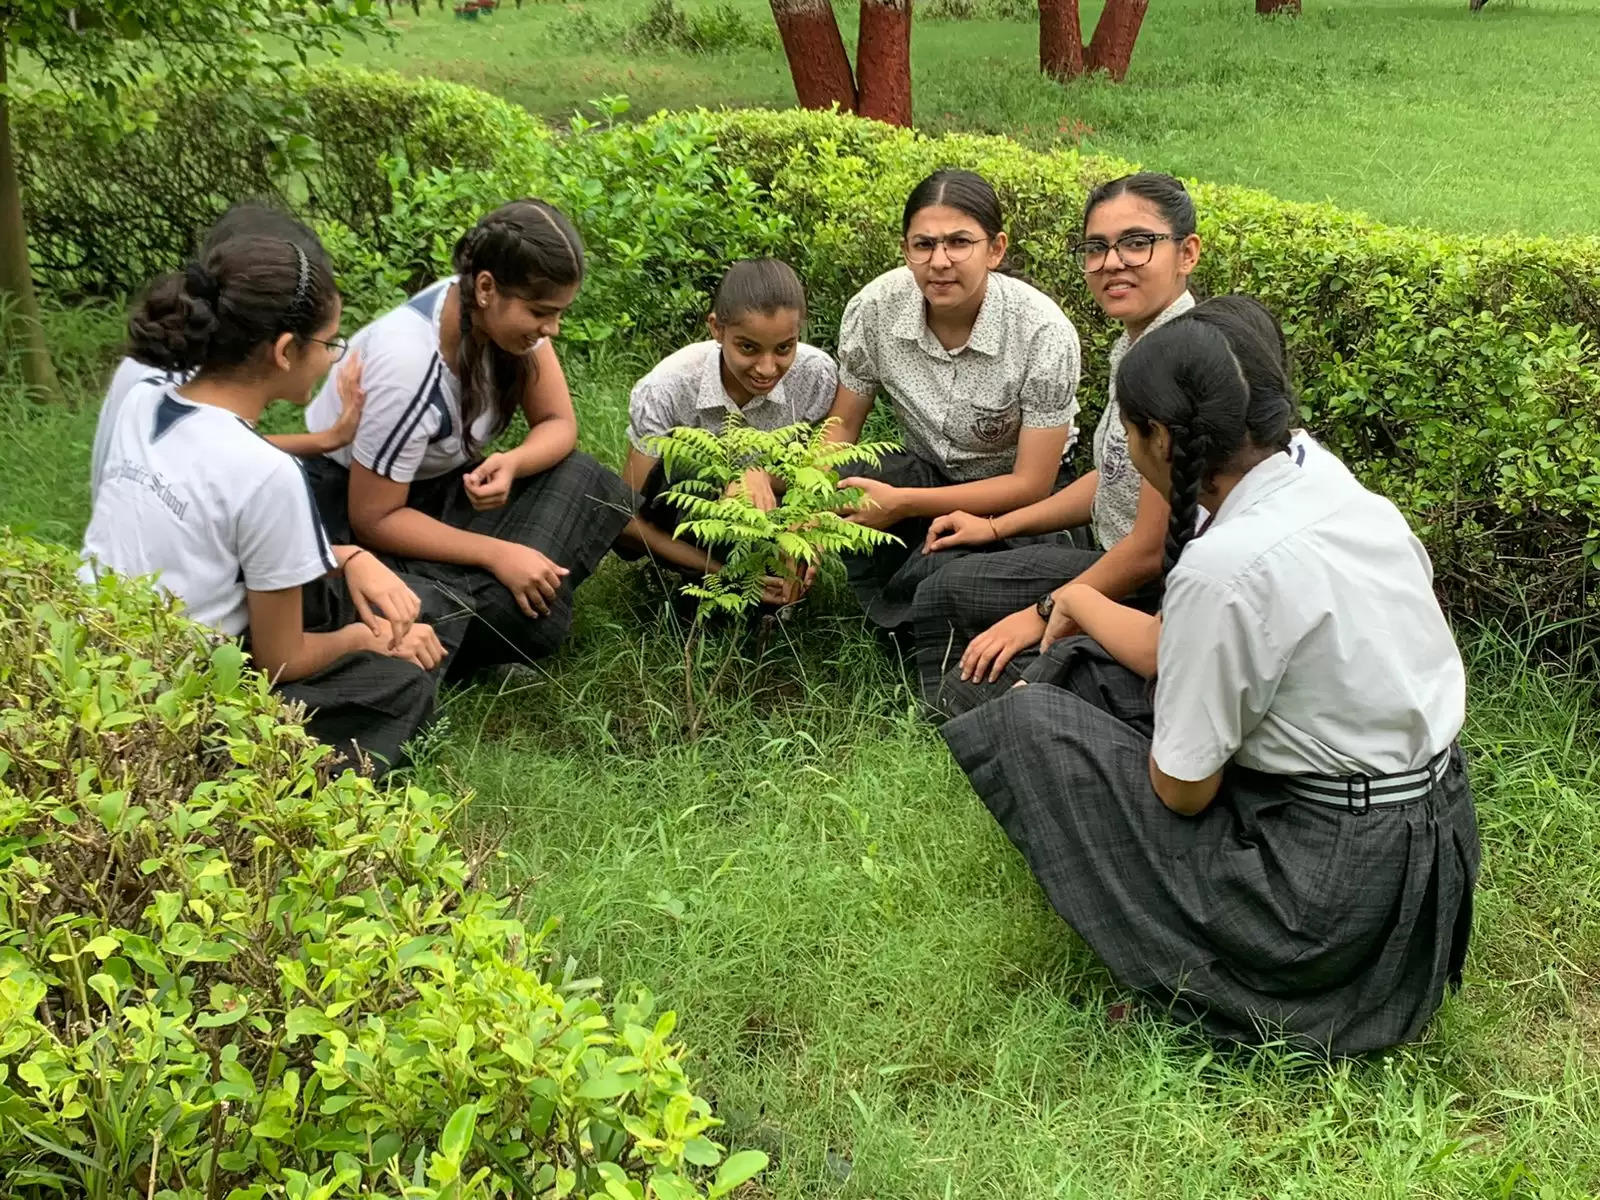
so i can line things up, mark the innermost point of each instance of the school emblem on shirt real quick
(993, 428)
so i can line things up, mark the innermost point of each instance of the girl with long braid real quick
(1277, 840)
(511, 534)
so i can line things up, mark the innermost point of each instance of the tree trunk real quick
(1265, 8)
(18, 305)
(1111, 48)
(883, 61)
(815, 49)
(1060, 39)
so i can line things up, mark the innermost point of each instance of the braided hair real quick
(532, 251)
(1216, 378)
(219, 310)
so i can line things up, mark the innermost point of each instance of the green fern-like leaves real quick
(803, 530)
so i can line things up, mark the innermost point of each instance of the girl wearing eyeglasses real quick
(190, 493)
(981, 371)
(508, 534)
(253, 220)
(980, 621)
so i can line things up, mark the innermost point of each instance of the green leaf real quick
(227, 663)
(457, 1137)
(702, 1152)
(103, 946)
(740, 1168)
(105, 987)
(306, 1021)
(605, 1086)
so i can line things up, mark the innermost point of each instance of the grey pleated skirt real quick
(571, 513)
(1265, 917)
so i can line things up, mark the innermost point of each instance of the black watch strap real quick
(1046, 605)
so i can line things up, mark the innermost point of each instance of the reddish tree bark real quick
(1060, 39)
(815, 49)
(1265, 8)
(883, 61)
(1111, 47)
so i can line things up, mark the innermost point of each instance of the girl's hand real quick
(420, 646)
(959, 529)
(529, 576)
(352, 399)
(1062, 623)
(756, 486)
(780, 591)
(490, 485)
(881, 506)
(988, 654)
(385, 604)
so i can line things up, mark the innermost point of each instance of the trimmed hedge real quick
(1460, 376)
(104, 215)
(224, 972)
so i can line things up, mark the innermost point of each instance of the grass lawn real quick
(1415, 111)
(873, 986)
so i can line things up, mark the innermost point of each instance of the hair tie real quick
(201, 283)
(302, 287)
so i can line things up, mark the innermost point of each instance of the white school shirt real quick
(411, 424)
(192, 494)
(1306, 453)
(685, 389)
(1300, 635)
(963, 409)
(130, 371)
(1116, 490)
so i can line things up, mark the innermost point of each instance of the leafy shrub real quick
(223, 972)
(716, 29)
(712, 30)
(660, 210)
(803, 530)
(105, 213)
(1458, 375)
(978, 10)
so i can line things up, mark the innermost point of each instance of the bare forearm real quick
(317, 651)
(1067, 509)
(303, 445)
(660, 544)
(1001, 494)
(547, 443)
(412, 534)
(1128, 635)
(848, 416)
(1122, 570)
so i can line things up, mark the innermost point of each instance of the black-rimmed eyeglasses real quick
(1133, 250)
(338, 346)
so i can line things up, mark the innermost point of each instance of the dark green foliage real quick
(225, 972)
(1458, 375)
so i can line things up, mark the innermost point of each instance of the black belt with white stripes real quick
(1360, 792)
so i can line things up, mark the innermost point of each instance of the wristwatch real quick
(1046, 606)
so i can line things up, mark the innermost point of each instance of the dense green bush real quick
(1458, 375)
(661, 209)
(224, 972)
(105, 214)
(716, 29)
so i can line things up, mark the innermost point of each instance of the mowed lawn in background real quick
(873, 987)
(1415, 111)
